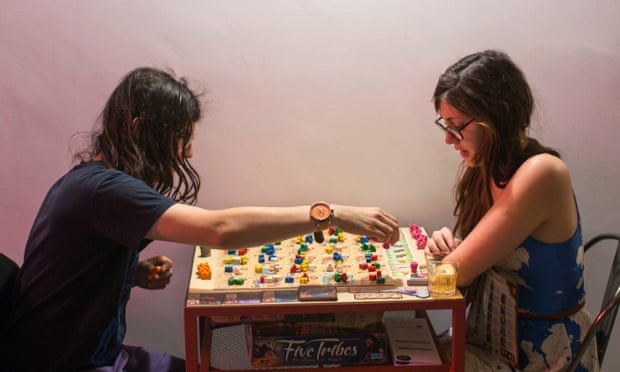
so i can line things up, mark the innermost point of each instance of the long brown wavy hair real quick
(490, 88)
(146, 118)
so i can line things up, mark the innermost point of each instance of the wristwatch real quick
(322, 214)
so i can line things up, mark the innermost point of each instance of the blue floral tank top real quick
(550, 281)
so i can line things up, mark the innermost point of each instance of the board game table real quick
(210, 301)
(198, 326)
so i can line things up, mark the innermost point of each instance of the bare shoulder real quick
(546, 162)
(550, 194)
(544, 168)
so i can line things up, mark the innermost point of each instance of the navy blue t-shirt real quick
(78, 268)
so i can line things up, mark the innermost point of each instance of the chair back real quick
(613, 282)
(604, 322)
(600, 329)
(8, 277)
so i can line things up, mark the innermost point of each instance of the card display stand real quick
(492, 322)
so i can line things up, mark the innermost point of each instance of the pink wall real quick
(291, 85)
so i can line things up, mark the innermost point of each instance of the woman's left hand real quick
(442, 242)
(153, 273)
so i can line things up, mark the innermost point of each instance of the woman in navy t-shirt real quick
(134, 184)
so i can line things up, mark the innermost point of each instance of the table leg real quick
(191, 341)
(458, 338)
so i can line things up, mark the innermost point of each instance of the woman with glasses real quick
(515, 210)
(134, 184)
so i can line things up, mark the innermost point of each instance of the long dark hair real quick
(146, 119)
(489, 87)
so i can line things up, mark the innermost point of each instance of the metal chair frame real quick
(604, 322)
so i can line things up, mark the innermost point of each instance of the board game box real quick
(358, 339)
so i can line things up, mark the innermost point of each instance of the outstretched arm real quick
(248, 226)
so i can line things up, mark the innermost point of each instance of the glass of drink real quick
(441, 278)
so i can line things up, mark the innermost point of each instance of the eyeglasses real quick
(455, 132)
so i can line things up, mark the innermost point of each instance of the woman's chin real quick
(470, 162)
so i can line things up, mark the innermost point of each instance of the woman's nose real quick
(449, 139)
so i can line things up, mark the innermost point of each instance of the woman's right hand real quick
(442, 242)
(371, 221)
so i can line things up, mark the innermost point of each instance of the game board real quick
(342, 260)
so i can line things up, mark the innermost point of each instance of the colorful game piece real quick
(204, 271)
(342, 260)
(154, 271)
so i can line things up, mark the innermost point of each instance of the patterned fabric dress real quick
(551, 282)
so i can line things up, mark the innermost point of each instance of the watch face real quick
(320, 212)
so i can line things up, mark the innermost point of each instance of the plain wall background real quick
(306, 100)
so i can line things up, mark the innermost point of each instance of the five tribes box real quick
(348, 339)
